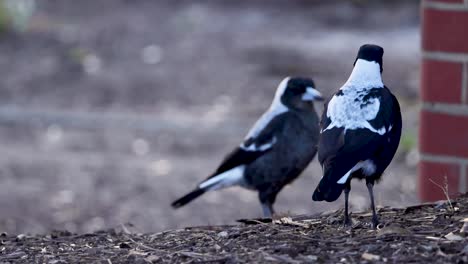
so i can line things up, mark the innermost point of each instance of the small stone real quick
(223, 234)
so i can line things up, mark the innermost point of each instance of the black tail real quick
(328, 189)
(188, 198)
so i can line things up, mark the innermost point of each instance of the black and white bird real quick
(360, 131)
(275, 151)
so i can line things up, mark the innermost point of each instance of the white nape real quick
(365, 74)
(276, 108)
(254, 147)
(367, 166)
(234, 176)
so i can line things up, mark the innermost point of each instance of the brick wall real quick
(444, 91)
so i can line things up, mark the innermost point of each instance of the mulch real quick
(435, 232)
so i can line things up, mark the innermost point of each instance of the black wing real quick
(243, 156)
(340, 150)
(387, 150)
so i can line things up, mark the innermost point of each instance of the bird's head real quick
(371, 53)
(297, 92)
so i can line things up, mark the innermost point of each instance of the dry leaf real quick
(137, 253)
(452, 237)
(152, 258)
(289, 221)
(393, 230)
(370, 257)
(464, 228)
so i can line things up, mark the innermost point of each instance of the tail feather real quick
(188, 198)
(234, 176)
(328, 189)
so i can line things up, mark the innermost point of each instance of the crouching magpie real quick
(275, 151)
(360, 131)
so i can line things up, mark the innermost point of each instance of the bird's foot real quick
(347, 222)
(268, 210)
(375, 222)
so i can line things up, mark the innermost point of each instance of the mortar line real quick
(451, 109)
(445, 56)
(443, 159)
(445, 6)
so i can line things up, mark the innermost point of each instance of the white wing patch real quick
(348, 109)
(234, 176)
(254, 147)
(367, 166)
(276, 108)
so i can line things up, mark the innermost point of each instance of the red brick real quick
(443, 134)
(445, 30)
(437, 172)
(441, 81)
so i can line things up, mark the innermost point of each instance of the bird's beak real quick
(312, 95)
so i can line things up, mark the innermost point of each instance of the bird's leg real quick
(268, 210)
(375, 219)
(347, 189)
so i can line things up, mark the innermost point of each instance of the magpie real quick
(360, 131)
(275, 151)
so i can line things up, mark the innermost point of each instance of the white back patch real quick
(276, 108)
(347, 110)
(234, 176)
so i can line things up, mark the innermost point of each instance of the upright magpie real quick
(360, 131)
(275, 151)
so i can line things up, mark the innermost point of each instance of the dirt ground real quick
(429, 233)
(111, 109)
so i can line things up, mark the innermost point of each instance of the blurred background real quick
(111, 109)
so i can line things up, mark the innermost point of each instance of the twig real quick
(145, 246)
(125, 229)
(445, 190)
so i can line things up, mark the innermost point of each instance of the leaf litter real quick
(431, 232)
